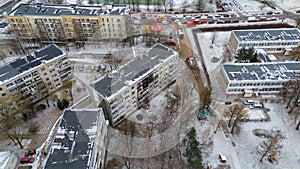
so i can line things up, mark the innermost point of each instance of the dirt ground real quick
(185, 52)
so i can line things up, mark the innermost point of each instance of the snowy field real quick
(253, 5)
(290, 5)
(241, 149)
(205, 41)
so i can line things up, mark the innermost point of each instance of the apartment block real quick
(68, 22)
(131, 87)
(260, 78)
(8, 160)
(270, 40)
(79, 141)
(32, 77)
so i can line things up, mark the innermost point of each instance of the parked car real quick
(27, 160)
(235, 21)
(226, 15)
(203, 21)
(191, 61)
(98, 68)
(81, 67)
(248, 102)
(222, 158)
(30, 153)
(256, 106)
(228, 103)
(269, 13)
(165, 22)
(220, 21)
(197, 16)
(273, 19)
(170, 43)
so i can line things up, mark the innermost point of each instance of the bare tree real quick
(235, 115)
(272, 143)
(213, 38)
(239, 117)
(200, 5)
(291, 90)
(16, 43)
(165, 4)
(171, 4)
(205, 97)
(184, 4)
(2, 56)
(10, 123)
(295, 54)
(129, 130)
(148, 4)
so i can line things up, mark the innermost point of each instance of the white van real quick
(248, 102)
(256, 106)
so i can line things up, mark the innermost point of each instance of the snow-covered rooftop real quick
(73, 150)
(18, 66)
(269, 71)
(67, 9)
(127, 74)
(4, 158)
(279, 34)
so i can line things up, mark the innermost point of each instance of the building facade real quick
(258, 78)
(68, 22)
(79, 141)
(30, 78)
(133, 85)
(8, 160)
(270, 40)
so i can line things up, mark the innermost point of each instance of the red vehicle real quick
(196, 21)
(170, 43)
(30, 153)
(27, 160)
(190, 24)
(203, 21)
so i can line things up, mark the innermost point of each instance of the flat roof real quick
(280, 34)
(4, 157)
(261, 71)
(114, 81)
(67, 9)
(74, 140)
(18, 66)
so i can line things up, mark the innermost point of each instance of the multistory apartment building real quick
(30, 78)
(131, 87)
(270, 40)
(258, 78)
(68, 22)
(8, 160)
(80, 140)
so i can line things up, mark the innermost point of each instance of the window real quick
(4, 94)
(8, 85)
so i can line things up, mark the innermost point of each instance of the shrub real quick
(33, 127)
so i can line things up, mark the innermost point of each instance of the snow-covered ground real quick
(241, 149)
(253, 5)
(217, 49)
(290, 5)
